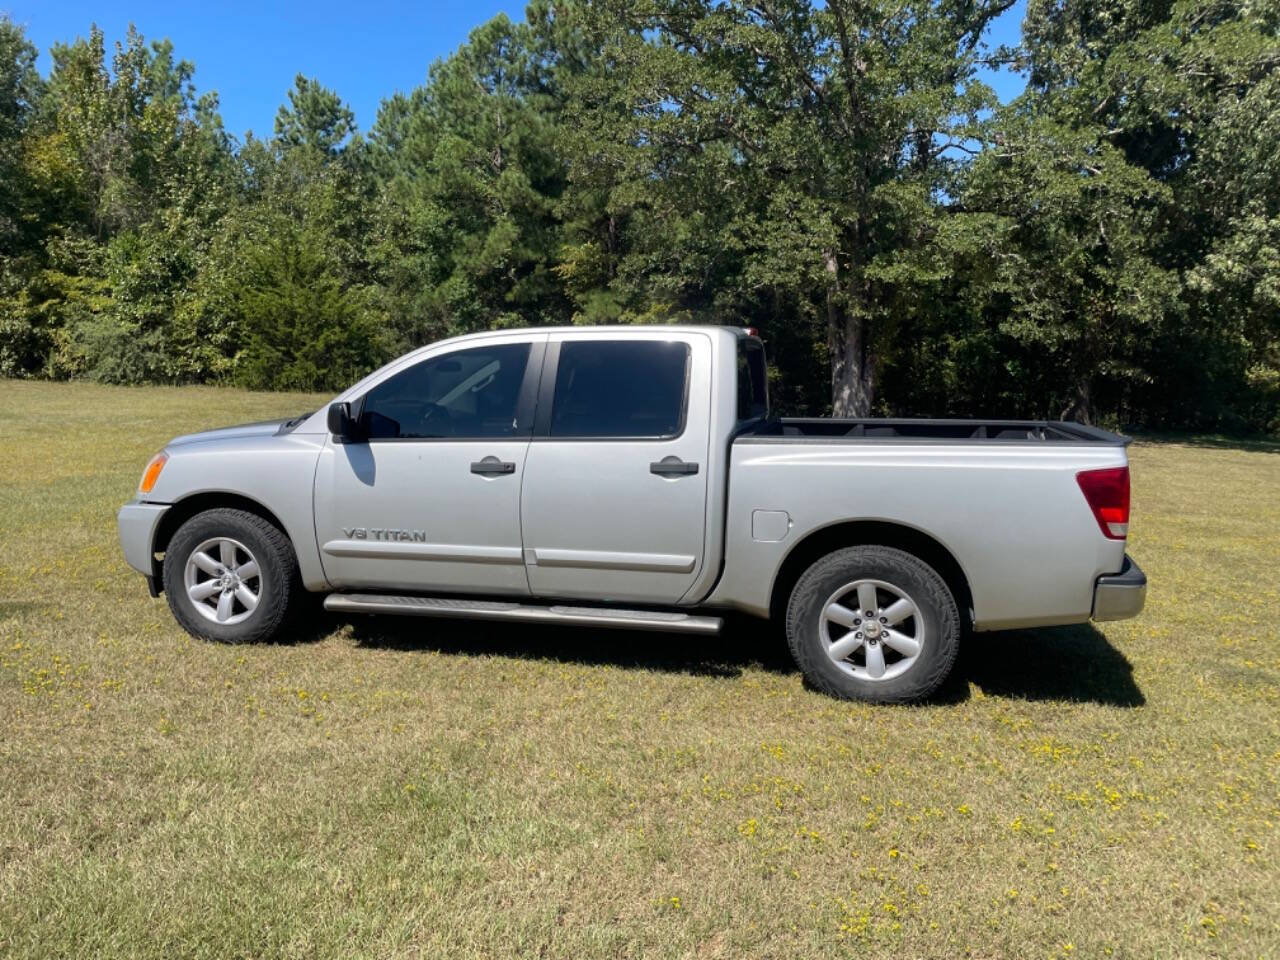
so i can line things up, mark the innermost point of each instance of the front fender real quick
(277, 472)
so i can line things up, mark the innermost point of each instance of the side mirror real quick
(342, 425)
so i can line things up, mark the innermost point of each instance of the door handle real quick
(492, 467)
(673, 467)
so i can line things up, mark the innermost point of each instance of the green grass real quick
(406, 788)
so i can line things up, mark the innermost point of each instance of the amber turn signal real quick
(152, 473)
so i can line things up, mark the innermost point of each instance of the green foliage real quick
(752, 154)
(302, 329)
(316, 118)
(470, 178)
(1189, 94)
(1080, 294)
(1105, 247)
(20, 89)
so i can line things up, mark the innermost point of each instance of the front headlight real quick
(152, 473)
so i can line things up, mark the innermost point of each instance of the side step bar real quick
(522, 612)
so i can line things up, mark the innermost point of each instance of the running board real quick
(522, 612)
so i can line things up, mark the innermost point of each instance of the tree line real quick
(1104, 247)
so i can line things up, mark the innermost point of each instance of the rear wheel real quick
(231, 576)
(873, 623)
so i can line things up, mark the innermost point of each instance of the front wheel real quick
(873, 623)
(231, 576)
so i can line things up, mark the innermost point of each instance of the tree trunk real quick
(1080, 409)
(852, 367)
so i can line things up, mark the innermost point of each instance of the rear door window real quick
(620, 389)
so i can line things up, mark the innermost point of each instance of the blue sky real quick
(250, 51)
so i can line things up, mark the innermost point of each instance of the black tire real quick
(279, 587)
(939, 629)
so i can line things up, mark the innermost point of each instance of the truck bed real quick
(1001, 497)
(936, 431)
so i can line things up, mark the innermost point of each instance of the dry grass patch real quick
(385, 788)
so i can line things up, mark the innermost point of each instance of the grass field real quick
(386, 788)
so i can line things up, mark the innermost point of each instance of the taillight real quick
(1107, 493)
(152, 473)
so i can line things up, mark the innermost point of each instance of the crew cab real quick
(635, 477)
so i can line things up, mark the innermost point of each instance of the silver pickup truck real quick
(633, 477)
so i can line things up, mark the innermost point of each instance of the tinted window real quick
(469, 393)
(753, 393)
(619, 388)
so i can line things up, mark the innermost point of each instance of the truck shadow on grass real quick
(741, 645)
(1070, 664)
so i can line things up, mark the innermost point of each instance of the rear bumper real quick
(1118, 596)
(137, 523)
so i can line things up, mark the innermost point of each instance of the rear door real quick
(613, 505)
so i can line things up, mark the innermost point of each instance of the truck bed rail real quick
(937, 431)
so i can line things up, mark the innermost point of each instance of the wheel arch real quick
(186, 508)
(883, 533)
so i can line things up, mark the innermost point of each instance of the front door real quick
(431, 500)
(615, 487)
